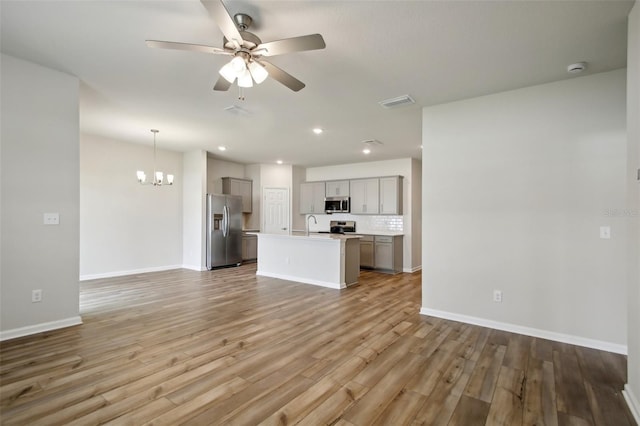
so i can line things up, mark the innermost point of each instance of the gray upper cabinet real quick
(312, 197)
(337, 188)
(241, 187)
(391, 195)
(365, 196)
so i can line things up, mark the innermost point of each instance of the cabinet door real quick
(249, 248)
(364, 196)
(366, 254)
(384, 255)
(391, 195)
(312, 197)
(338, 188)
(241, 187)
(245, 255)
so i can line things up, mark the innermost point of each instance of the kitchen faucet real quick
(314, 221)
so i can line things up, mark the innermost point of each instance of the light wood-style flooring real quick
(227, 347)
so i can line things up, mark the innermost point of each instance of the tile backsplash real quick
(364, 223)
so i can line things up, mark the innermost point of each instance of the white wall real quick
(252, 221)
(416, 213)
(515, 188)
(275, 175)
(39, 174)
(126, 227)
(371, 223)
(297, 220)
(194, 188)
(217, 169)
(632, 389)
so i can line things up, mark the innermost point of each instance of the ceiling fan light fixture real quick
(244, 79)
(228, 72)
(258, 72)
(238, 64)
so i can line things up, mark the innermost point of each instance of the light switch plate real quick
(52, 219)
(605, 232)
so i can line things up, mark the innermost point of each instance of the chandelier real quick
(158, 176)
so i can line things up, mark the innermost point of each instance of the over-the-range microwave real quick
(337, 205)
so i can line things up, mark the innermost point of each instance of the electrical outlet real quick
(497, 296)
(605, 232)
(36, 296)
(52, 219)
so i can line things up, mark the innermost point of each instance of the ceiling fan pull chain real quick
(240, 93)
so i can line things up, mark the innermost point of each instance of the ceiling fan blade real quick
(158, 44)
(294, 44)
(282, 76)
(222, 84)
(221, 16)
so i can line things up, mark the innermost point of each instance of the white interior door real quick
(276, 211)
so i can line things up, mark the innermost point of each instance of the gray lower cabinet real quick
(366, 252)
(381, 252)
(249, 247)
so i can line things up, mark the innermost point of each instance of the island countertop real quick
(328, 260)
(313, 235)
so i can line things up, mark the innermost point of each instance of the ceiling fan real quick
(247, 50)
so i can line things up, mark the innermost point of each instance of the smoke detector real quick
(576, 68)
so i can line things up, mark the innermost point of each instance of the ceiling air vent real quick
(396, 102)
(237, 110)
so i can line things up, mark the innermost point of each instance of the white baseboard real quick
(130, 272)
(412, 270)
(528, 331)
(632, 402)
(39, 328)
(299, 279)
(194, 267)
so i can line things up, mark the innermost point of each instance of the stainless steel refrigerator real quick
(224, 230)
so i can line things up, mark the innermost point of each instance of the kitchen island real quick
(328, 260)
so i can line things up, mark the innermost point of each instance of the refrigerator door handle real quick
(226, 226)
(225, 220)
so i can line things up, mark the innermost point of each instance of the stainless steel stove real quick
(342, 226)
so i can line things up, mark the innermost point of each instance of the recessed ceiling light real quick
(366, 151)
(279, 161)
(317, 130)
(222, 148)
